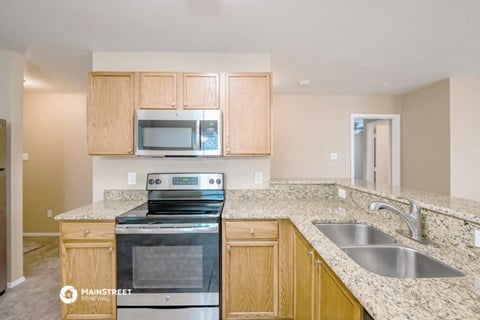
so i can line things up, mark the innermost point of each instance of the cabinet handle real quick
(110, 249)
(130, 150)
(317, 262)
(185, 104)
(252, 231)
(86, 232)
(309, 253)
(173, 104)
(229, 248)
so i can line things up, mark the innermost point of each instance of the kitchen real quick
(294, 117)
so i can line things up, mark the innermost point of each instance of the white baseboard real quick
(15, 283)
(41, 234)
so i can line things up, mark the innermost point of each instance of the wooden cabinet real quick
(304, 279)
(318, 293)
(88, 262)
(162, 90)
(247, 114)
(250, 270)
(110, 113)
(336, 301)
(158, 90)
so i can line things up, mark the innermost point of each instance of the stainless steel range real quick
(168, 249)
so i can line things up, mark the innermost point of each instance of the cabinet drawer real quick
(88, 230)
(251, 229)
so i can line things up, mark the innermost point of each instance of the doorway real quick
(375, 148)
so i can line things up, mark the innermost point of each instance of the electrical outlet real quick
(258, 177)
(132, 178)
(477, 238)
(342, 193)
(333, 156)
(49, 213)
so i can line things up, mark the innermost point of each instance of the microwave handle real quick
(197, 136)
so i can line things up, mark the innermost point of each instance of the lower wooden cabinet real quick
(319, 294)
(336, 302)
(303, 279)
(88, 262)
(250, 267)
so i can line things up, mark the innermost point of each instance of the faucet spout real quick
(412, 219)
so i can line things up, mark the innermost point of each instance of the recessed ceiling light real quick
(304, 82)
(386, 84)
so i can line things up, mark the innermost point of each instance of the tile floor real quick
(37, 297)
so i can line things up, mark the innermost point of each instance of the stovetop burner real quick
(179, 198)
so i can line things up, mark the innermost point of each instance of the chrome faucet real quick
(412, 219)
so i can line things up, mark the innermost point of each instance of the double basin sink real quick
(379, 253)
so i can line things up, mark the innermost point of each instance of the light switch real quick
(333, 156)
(25, 156)
(132, 178)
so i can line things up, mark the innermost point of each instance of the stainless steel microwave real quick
(178, 133)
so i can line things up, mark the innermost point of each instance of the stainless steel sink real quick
(399, 262)
(353, 234)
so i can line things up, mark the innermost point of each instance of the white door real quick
(379, 152)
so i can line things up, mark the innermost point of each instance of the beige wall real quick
(111, 172)
(465, 137)
(307, 128)
(58, 173)
(11, 109)
(426, 138)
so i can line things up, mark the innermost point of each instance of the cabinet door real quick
(337, 303)
(158, 90)
(110, 113)
(247, 113)
(88, 265)
(303, 290)
(317, 287)
(251, 275)
(201, 90)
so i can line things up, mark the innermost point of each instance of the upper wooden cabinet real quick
(247, 114)
(110, 113)
(201, 91)
(161, 90)
(158, 90)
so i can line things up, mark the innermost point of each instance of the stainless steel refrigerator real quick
(3, 209)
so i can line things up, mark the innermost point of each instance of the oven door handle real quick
(170, 230)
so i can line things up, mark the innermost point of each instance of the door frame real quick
(395, 122)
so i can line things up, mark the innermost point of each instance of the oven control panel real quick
(185, 181)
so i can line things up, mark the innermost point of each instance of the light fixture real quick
(304, 83)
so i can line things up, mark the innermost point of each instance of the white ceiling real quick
(341, 46)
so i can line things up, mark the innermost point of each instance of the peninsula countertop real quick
(384, 298)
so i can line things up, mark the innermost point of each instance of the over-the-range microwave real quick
(178, 133)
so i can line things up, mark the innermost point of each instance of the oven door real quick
(168, 264)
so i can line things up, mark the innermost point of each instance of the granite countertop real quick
(384, 298)
(101, 210)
